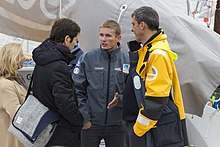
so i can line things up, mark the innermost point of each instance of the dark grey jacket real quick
(98, 76)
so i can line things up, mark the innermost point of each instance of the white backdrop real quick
(197, 46)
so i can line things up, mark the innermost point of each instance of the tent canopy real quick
(198, 47)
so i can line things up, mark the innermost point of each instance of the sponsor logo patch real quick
(152, 75)
(126, 68)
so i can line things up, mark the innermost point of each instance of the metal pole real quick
(60, 9)
(188, 7)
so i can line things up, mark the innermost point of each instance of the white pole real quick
(28, 47)
(60, 9)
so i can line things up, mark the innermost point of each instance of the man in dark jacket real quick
(76, 52)
(100, 80)
(52, 81)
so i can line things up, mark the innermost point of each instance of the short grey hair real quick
(147, 15)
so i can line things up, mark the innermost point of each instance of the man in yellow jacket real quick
(153, 105)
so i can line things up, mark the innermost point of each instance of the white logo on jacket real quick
(76, 70)
(117, 68)
(99, 68)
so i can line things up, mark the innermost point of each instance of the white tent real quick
(197, 46)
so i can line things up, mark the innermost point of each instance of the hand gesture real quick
(114, 102)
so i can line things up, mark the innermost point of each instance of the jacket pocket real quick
(96, 79)
(168, 130)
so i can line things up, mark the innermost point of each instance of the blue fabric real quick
(48, 118)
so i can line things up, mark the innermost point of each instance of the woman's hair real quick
(10, 60)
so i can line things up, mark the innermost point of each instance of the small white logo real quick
(76, 70)
(118, 68)
(99, 68)
(19, 120)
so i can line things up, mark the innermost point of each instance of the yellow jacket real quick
(160, 76)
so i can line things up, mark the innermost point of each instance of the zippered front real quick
(108, 82)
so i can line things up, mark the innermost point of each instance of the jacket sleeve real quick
(121, 95)
(158, 84)
(65, 97)
(79, 77)
(126, 69)
(10, 100)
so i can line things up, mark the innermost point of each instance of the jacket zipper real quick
(108, 82)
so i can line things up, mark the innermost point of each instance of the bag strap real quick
(30, 87)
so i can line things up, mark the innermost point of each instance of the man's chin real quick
(138, 40)
(105, 48)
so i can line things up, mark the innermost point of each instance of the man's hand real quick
(87, 125)
(114, 102)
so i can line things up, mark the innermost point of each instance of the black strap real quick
(145, 60)
(30, 87)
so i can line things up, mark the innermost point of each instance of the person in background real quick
(76, 53)
(217, 18)
(12, 90)
(100, 79)
(153, 106)
(28, 62)
(53, 84)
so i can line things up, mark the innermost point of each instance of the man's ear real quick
(118, 37)
(66, 39)
(142, 25)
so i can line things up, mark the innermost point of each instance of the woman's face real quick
(21, 61)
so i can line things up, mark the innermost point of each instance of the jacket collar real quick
(110, 54)
(66, 52)
(159, 41)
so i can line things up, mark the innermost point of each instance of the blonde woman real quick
(12, 90)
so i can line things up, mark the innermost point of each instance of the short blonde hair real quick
(112, 24)
(10, 59)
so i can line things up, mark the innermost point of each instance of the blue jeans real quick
(114, 136)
